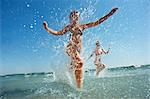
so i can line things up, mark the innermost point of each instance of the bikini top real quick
(75, 30)
(98, 51)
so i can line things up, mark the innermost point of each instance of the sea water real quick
(114, 83)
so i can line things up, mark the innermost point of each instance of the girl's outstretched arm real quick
(91, 55)
(92, 24)
(105, 52)
(49, 30)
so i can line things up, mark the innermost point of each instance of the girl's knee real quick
(103, 65)
(79, 60)
(79, 65)
(78, 74)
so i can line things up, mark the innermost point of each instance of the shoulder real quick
(67, 27)
(82, 26)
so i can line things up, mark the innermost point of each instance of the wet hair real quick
(97, 43)
(73, 13)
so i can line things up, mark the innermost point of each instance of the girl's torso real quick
(76, 36)
(98, 51)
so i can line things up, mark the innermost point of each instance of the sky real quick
(25, 46)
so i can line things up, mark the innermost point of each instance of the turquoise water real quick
(114, 83)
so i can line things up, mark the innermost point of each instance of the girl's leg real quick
(69, 51)
(71, 67)
(76, 64)
(78, 71)
(99, 67)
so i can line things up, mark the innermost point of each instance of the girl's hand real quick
(114, 10)
(45, 24)
(107, 52)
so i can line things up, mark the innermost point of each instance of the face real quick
(74, 16)
(97, 43)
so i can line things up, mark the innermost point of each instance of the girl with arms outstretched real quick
(74, 46)
(98, 52)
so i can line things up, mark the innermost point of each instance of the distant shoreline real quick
(112, 69)
(34, 73)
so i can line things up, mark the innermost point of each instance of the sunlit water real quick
(115, 83)
(118, 83)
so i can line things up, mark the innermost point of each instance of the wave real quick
(56, 89)
(123, 68)
(132, 67)
(29, 74)
(94, 88)
(52, 76)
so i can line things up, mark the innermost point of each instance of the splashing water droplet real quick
(24, 25)
(28, 5)
(31, 26)
(42, 17)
